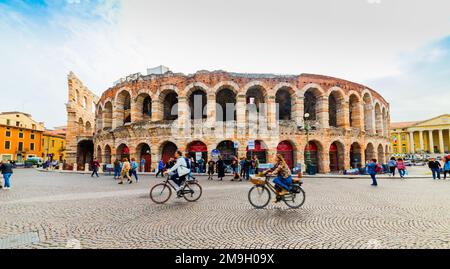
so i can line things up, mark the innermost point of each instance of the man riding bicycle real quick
(178, 172)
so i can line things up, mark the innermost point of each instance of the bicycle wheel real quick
(259, 196)
(160, 193)
(192, 192)
(295, 200)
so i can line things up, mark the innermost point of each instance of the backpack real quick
(134, 165)
(188, 163)
(378, 169)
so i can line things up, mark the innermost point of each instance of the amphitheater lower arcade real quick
(149, 117)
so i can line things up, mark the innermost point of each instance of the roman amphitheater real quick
(340, 124)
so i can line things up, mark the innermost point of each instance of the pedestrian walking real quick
(446, 167)
(190, 165)
(242, 166)
(95, 166)
(435, 167)
(372, 170)
(235, 169)
(117, 169)
(247, 167)
(134, 169)
(392, 166)
(211, 165)
(7, 172)
(256, 164)
(401, 168)
(160, 168)
(143, 165)
(126, 167)
(220, 169)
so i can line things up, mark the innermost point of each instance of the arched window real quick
(225, 105)
(197, 104)
(284, 101)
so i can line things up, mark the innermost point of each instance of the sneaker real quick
(120, 183)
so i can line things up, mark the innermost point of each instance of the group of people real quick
(437, 168)
(397, 164)
(122, 169)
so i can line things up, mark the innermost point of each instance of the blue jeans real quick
(134, 172)
(117, 173)
(436, 173)
(402, 172)
(374, 179)
(7, 178)
(283, 182)
(177, 179)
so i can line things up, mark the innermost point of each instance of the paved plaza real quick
(52, 210)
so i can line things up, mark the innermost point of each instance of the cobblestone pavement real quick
(76, 211)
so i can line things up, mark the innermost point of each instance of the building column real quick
(157, 110)
(441, 142)
(322, 112)
(430, 132)
(241, 112)
(211, 107)
(298, 110)
(422, 144)
(411, 143)
(400, 143)
(449, 140)
(182, 112)
(344, 114)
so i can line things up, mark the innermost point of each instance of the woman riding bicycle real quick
(179, 171)
(283, 173)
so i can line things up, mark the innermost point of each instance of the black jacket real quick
(434, 165)
(6, 168)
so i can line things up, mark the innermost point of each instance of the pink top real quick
(401, 165)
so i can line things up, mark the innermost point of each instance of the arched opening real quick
(255, 100)
(144, 104)
(381, 154)
(85, 153)
(123, 106)
(260, 151)
(107, 116)
(99, 119)
(355, 156)
(170, 110)
(311, 103)
(99, 154)
(312, 154)
(122, 152)
(199, 151)
(108, 156)
(378, 120)
(197, 105)
(337, 157)
(225, 105)
(144, 157)
(227, 151)
(368, 112)
(88, 128)
(370, 152)
(168, 151)
(81, 126)
(283, 100)
(355, 111)
(335, 109)
(286, 150)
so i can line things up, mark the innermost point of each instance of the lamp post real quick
(308, 152)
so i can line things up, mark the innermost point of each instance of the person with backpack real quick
(134, 169)
(160, 168)
(446, 167)
(392, 166)
(95, 167)
(372, 169)
(401, 167)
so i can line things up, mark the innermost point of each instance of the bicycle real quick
(191, 191)
(260, 195)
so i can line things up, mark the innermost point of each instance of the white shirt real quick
(180, 167)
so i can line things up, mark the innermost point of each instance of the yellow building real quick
(54, 144)
(430, 136)
(20, 136)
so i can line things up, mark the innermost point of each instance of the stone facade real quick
(80, 123)
(348, 122)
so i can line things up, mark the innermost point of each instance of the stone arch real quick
(253, 84)
(355, 111)
(285, 98)
(316, 154)
(381, 156)
(228, 85)
(167, 150)
(195, 148)
(85, 153)
(226, 99)
(337, 156)
(378, 119)
(311, 103)
(288, 150)
(370, 152)
(168, 99)
(336, 107)
(355, 155)
(143, 107)
(144, 156)
(107, 115)
(256, 102)
(122, 152)
(197, 100)
(122, 108)
(227, 151)
(107, 154)
(99, 154)
(99, 118)
(368, 113)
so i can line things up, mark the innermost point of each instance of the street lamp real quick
(308, 153)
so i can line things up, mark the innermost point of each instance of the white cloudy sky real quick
(399, 47)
